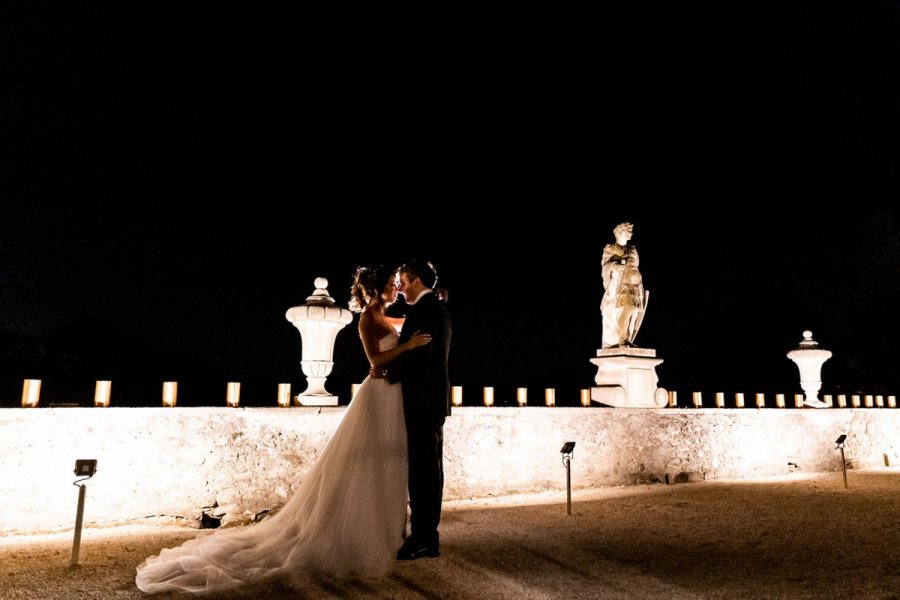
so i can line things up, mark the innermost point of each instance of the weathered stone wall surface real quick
(183, 461)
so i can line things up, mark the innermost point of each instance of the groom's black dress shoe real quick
(414, 550)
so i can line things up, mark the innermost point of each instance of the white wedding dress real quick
(347, 518)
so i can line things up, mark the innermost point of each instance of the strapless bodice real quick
(387, 342)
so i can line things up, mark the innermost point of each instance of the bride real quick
(347, 518)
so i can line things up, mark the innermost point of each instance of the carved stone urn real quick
(319, 322)
(809, 359)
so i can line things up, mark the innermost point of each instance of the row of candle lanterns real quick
(31, 391)
(456, 396)
(830, 400)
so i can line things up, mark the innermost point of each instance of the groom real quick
(426, 403)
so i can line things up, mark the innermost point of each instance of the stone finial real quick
(320, 297)
(808, 341)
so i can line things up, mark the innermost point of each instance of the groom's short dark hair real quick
(423, 269)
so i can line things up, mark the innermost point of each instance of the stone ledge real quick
(179, 462)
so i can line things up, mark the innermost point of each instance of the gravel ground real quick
(800, 536)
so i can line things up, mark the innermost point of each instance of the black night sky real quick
(170, 184)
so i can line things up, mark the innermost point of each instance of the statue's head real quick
(623, 228)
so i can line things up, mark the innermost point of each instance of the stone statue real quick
(624, 300)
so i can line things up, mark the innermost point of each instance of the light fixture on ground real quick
(488, 396)
(840, 446)
(566, 451)
(84, 469)
(319, 322)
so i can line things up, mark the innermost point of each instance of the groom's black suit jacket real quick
(423, 370)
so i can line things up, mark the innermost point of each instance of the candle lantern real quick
(170, 393)
(101, 393)
(456, 395)
(585, 397)
(522, 396)
(550, 396)
(31, 393)
(284, 395)
(233, 394)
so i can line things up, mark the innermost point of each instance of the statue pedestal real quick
(626, 378)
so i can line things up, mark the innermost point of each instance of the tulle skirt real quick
(347, 518)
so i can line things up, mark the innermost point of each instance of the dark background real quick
(173, 180)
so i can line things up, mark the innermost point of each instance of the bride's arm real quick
(369, 333)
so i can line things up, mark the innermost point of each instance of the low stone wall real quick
(181, 461)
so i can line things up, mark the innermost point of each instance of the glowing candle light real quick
(488, 396)
(798, 400)
(673, 399)
(827, 399)
(760, 400)
(170, 393)
(842, 401)
(892, 401)
(354, 389)
(879, 401)
(31, 393)
(284, 395)
(854, 400)
(739, 400)
(720, 400)
(101, 393)
(697, 399)
(870, 402)
(233, 395)
(456, 395)
(585, 397)
(779, 400)
(522, 396)
(550, 396)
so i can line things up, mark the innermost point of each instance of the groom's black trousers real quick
(426, 481)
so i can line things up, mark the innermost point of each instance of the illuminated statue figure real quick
(625, 299)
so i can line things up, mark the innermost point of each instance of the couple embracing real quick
(348, 517)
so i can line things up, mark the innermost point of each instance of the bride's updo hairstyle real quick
(368, 283)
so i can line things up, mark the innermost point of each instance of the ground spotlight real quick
(840, 446)
(84, 469)
(566, 451)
